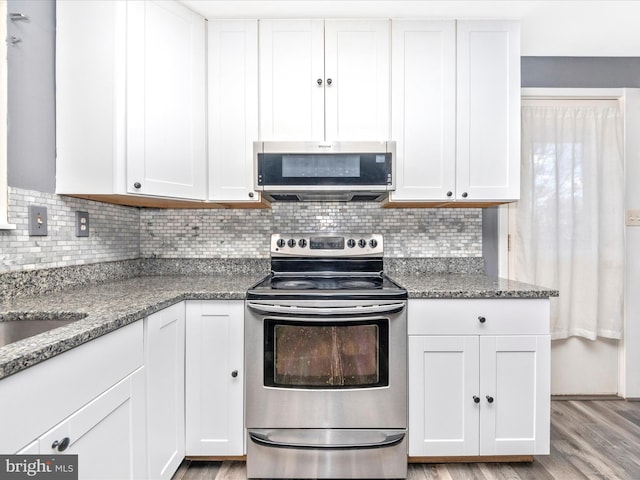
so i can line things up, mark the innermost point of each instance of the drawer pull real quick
(489, 399)
(61, 445)
(482, 319)
(476, 399)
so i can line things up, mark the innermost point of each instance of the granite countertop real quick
(453, 285)
(108, 306)
(111, 305)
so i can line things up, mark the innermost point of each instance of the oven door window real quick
(334, 355)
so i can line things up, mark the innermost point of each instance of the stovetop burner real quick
(311, 287)
(325, 283)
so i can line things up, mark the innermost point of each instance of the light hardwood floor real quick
(590, 439)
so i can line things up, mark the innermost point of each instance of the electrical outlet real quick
(37, 220)
(82, 224)
(632, 218)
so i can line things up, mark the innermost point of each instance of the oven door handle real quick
(331, 311)
(358, 442)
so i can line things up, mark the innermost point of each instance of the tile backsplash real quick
(245, 233)
(114, 233)
(120, 233)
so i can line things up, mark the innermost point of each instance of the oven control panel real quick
(327, 245)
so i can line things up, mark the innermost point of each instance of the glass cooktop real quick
(327, 285)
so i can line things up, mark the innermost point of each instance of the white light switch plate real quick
(632, 218)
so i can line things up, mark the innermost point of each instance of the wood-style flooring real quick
(590, 439)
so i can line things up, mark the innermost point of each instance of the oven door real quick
(326, 364)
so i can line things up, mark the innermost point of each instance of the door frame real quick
(629, 346)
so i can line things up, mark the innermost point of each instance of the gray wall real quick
(580, 72)
(31, 104)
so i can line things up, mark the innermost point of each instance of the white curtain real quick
(570, 219)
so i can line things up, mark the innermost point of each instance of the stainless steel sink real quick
(16, 326)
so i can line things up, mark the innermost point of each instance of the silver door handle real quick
(332, 311)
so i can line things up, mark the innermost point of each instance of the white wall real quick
(549, 28)
(584, 367)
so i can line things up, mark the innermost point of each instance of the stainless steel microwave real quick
(341, 171)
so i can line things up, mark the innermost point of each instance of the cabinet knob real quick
(489, 399)
(465, 194)
(234, 374)
(319, 82)
(61, 445)
(449, 193)
(482, 319)
(476, 399)
(137, 185)
(251, 194)
(329, 81)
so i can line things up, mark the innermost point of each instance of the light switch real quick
(38, 222)
(632, 218)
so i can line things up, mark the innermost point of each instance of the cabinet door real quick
(166, 109)
(357, 80)
(233, 108)
(164, 362)
(291, 80)
(108, 434)
(443, 380)
(90, 94)
(423, 98)
(214, 378)
(515, 373)
(488, 110)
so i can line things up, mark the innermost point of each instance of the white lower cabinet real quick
(107, 434)
(164, 349)
(93, 394)
(479, 377)
(215, 378)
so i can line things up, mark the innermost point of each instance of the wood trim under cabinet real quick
(420, 204)
(156, 202)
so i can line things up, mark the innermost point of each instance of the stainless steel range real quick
(326, 362)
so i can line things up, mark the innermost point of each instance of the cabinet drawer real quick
(462, 316)
(38, 398)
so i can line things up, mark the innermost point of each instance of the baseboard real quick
(585, 397)
(477, 459)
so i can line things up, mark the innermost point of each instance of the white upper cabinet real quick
(324, 80)
(356, 79)
(292, 79)
(130, 100)
(456, 110)
(423, 99)
(488, 110)
(166, 143)
(233, 108)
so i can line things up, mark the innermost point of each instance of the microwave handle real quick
(295, 310)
